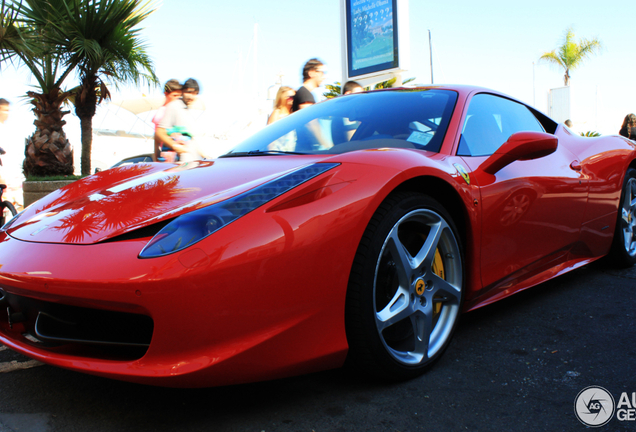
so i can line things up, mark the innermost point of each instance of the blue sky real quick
(490, 43)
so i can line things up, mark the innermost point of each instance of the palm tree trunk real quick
(86, 125)
(85, 107)
(48, 152)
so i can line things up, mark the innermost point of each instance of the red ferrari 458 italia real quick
(355, 230)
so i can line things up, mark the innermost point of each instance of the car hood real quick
(122, 199)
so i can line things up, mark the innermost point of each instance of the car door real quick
(531, 210)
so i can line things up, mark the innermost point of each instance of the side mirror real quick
(520, 146)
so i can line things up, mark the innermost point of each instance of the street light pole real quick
(534, 91)
(430, 50)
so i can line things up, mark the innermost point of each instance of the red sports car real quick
(355, 230)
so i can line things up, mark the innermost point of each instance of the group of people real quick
(289, 101)
(175, 127)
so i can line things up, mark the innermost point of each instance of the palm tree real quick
(22, 42)
(102, 38)
(571, 54)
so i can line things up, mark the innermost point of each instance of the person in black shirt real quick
(628, 130)
(313, 76)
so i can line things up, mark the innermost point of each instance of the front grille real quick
(76, 330)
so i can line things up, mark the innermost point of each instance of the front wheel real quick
(623, 252)
(406, 288)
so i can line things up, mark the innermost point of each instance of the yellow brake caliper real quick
(438, 269)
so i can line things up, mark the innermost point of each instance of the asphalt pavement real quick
(517, 365)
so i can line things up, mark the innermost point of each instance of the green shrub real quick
(590, 134)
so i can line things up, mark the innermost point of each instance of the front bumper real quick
(249, 306)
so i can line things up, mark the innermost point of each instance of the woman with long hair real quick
(282, 104)
(628, 130)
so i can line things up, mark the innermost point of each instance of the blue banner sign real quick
(372, 44)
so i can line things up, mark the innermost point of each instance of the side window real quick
(490, 121)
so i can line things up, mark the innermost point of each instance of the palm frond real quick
(15, 35)
(554, 58)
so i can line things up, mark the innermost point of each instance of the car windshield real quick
(406, 118)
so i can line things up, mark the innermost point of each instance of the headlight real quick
(192, 227)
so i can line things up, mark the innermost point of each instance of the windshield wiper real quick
(262, 153)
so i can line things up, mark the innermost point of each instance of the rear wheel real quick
(623, 251)
(406, 288)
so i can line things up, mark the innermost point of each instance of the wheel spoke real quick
(628, 235)
(399, 308)
(422, 322)
(444, 289)
(401, 257)
(627, 215)
(426, 254)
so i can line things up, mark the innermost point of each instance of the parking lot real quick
(517, 365)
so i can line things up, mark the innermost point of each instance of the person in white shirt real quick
(176, 130)
(172, 92)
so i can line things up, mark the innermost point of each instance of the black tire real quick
(623, 251)
(7, 205)
(392, 297)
